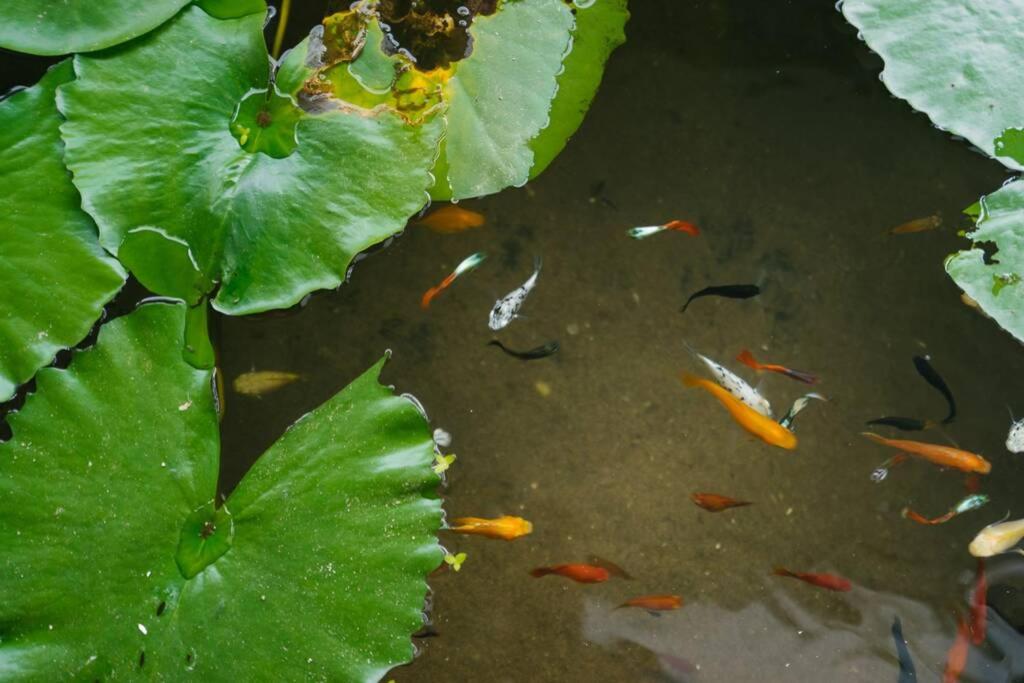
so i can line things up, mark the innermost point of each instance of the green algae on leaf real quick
(55, 276)
(1010, 143)
(958, 62)
(314, 566)
(150, 143)
(45, 27)
(996, 286)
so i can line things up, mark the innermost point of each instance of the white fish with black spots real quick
(735, 385)
(1015, 438)
(506, 309)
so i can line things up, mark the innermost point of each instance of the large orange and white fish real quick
(734, 384)
(764, 428)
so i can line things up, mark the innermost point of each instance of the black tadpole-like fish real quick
(729, 291)
(907, 424)
(543, 351)
(925, 369)
(908, 674)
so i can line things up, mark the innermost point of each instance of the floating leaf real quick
(156, 137)
(958, 62)
(54, 275)
(996, 286)
(1011, 144)
(45, 27)
(117, 565)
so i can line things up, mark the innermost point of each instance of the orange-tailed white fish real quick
(260, 382)
(747, 358)
(678, 226)
(506, 527)
(765, 428)
(997, 538)
(945, 456)
(734, 384)
(468, 264)
(971, 502)
(451, 219)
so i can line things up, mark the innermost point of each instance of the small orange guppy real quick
(747, 358)
(451, 219)
(945, 456)
(469, 263)
(506, 528)
(580, 573)
(654, 603)
(712, 502)
(830, 581)
(764, 428)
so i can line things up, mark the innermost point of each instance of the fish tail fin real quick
(537, 263)
(428, 296)
(541, 571)
(686, 305)
(782, 571)
(801, 376)
(690, 380)
(747, 358)
(874, 437)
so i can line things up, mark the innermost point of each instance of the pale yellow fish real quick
(997, 538)
(260, 382)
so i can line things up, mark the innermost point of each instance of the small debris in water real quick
(543, 388)
(442, 438)
(260, 382)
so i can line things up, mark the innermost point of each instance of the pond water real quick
(769, 129)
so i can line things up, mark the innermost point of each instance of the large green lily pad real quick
(46, 27)
(273, 203)
(115, 563)
(997, 287)
(54, 275)
(958, 62)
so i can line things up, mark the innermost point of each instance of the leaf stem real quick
(282, 25)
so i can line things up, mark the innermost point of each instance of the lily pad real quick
(162, 133)
(996, 286)
(117, 563)
(54, 275)
(45, 27)
(958, 62)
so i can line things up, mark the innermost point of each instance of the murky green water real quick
(765, 125)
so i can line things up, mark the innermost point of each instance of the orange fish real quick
(468, 264)
(580, 573)
(944, 456)
(683, 226)
(505, 527)
(747, 358)
(979, 605)
(765, 428)
(645, 231)
(654, 603)
(712, 502)
(956, 658)
(829, 581)
(921, 519)
(450, 219)
(917, 225)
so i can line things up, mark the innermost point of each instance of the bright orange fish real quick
(829, 581)
(580, 573)
(944, 456)
(956, 658)
(747, 358)
(979, 605)
(921, 519)
(683, 226)
(765, 428)
(654, 603)
(450, 219)
(468, 264)
(506, 528)
(712, 502)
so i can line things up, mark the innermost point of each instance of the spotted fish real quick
(1015, 439)
(507, 307)
(735, 385)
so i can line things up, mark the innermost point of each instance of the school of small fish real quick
(751, 411)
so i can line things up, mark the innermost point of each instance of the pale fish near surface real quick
(735, 385)
(997, 538)
(260, 382)
(507, 307)
(1015, 438)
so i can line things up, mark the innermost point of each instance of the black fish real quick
(730, 291)
(543, 351)
(925, 369)
(908, 674)
(907, 424)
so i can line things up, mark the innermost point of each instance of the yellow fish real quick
(259, 382)
(506, 528)
(764, 428)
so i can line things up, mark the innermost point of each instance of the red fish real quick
(829, 581)
(468, 264)
(956, 658)
(979, 606)
(747, 358)
(972, 483)
(654, 603)
(580, 573)
(921, 519)
(683, 226)
(712, 502)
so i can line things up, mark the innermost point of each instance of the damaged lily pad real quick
(55, 276)
(273, 201)
(996, 286)
(958, 62)
(313, 567)
(45, 27)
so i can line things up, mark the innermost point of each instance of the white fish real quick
(507, 307)
(735, 385)
(799, 405)
(1015, 439)
(997, 538)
